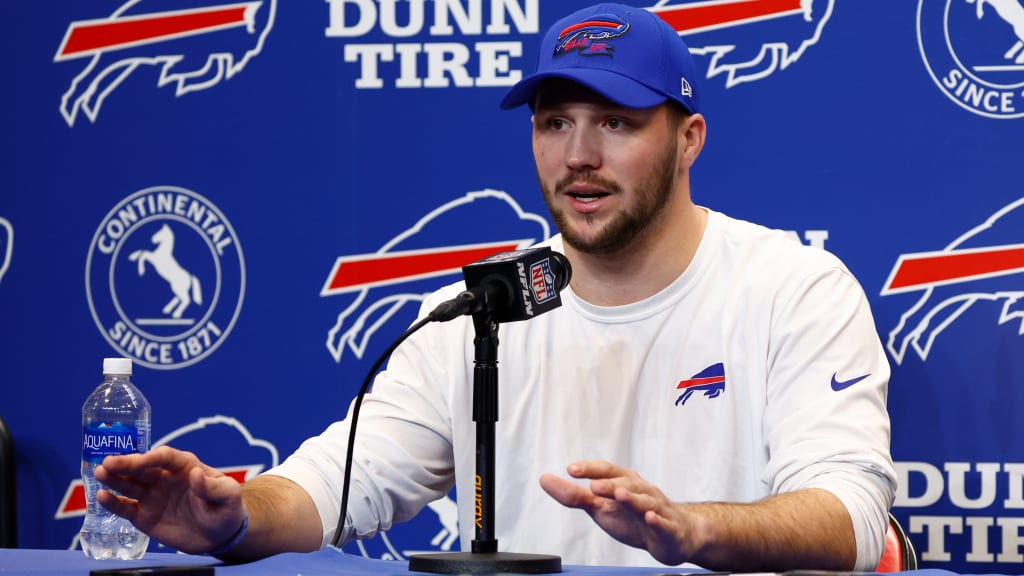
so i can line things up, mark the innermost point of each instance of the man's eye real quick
(615, 123)
(556, 123)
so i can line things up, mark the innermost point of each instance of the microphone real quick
(512, 286)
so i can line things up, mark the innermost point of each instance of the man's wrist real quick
(235, 539)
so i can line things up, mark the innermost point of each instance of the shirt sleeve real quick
(826, 419)
(403, 451)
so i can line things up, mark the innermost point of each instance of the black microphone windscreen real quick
(535, 276)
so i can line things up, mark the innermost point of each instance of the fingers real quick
(131, 486)
(659, 522)
(164, 471)
(607, 478)
(609, 482)
(126, 508)
(620, 484)
(641, 502)
(623, 504)
(163, 457)
(566, 492)
(594, 469)
(218, 488)
(152, 466)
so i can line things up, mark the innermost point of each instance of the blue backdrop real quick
(222, 192)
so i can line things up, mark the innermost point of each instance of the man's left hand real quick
(629, 508)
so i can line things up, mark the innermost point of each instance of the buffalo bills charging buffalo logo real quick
(746, 40)
(710, 381)
(982, 265)
(377, 290)
(588, 37)
(193, 44)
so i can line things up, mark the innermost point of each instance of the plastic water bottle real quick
(115, 420)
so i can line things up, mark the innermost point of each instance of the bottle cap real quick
(117, 366)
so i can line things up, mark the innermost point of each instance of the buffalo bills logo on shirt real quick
(588, 37)
(710, 381)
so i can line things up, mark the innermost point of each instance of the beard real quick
(623, 228)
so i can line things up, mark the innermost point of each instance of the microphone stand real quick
(484, 557)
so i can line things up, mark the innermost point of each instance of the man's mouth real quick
(587, 197)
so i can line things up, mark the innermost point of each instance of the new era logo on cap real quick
(627, 54)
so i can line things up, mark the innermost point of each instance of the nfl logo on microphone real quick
(542, 281)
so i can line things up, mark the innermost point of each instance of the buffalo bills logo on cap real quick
(586, 36)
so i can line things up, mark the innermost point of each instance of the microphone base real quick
(485, 563)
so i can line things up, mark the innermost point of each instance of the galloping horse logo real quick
(125, 304)
(1012, 12)
(974, 52)
(184, 285)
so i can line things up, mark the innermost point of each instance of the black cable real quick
(355, 418)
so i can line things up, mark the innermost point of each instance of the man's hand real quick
(630, 509)
(173, 497)
(808, 529)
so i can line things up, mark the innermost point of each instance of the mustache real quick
(586, 177)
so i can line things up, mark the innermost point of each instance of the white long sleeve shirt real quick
(758, 371)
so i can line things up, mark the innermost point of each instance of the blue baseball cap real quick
(627, 54)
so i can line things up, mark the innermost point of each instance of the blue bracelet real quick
(230, 545)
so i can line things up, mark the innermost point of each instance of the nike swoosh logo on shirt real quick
(838, 385)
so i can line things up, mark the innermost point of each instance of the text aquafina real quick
(115, 420)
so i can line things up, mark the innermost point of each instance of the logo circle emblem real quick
(165, 277)
(974, 52)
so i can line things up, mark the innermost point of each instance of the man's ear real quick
(693, 131)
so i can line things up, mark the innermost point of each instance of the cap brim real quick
(612, 85)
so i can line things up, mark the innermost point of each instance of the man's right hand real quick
(172, 496)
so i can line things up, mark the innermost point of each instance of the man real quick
(781, 462)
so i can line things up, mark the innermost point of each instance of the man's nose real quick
(584, 150)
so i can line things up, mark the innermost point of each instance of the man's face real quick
(607, 172)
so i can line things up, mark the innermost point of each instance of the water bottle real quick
(115, 420)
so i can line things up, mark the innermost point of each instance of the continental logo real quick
(974, 52)
(165, 277)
